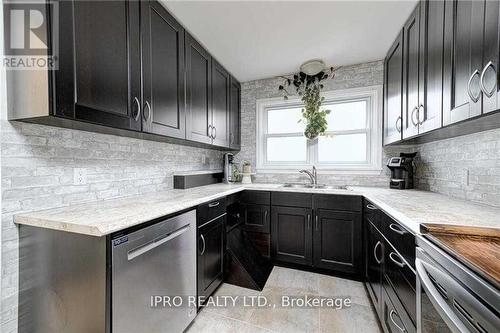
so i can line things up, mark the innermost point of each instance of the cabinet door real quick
(430, 111)
(235, 115)
(99, 76)
(163, 71)
(374, 257)
(411, 74)
(393, 94)
(210, 256)
(198, 92)
(337, 241)
(220, 104)
(463, 60)
(256, 218)
(491, 58)
(291, 232)
(395, 319)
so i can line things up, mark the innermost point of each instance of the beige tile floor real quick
(358, 318)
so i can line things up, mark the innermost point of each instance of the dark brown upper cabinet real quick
(220, 105)
(393, 92)
(490, 75)
(412, 86)
(429, 112)
(99, 76)
(463, 60)
(163, 72)
(235, 115)
(198, 92)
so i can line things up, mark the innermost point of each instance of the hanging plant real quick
(309, 88)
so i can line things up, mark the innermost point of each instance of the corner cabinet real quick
(163, 72)
(393, 93)
(99, 75)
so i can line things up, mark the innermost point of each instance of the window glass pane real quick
(342, 148)
(284, 121)
(346, 115)
(291, 149)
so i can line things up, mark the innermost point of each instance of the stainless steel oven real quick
(450, 297)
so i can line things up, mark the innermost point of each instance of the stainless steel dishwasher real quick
(159, 260)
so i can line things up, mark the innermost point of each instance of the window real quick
(352, 142)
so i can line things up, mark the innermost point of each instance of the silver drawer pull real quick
(399, 261)
(391, 316)
(370, 206)
(396, 228)
(213, 204)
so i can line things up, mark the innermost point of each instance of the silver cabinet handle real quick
(265, 215)
(210, 132)
(147, 114)
(204, 245)
(215, 132)
(398, 122)
(308, 221)
(370, 206)
(412, 116)
(421, 110)
(481, 80)
(213, 204)
(398, 262)
(394, 227)
(317, 223)
(138, 105)
(473, 98)
(375, 252)
(231, 138)
(391, 315)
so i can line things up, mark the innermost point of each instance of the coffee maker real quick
(402, 171)
(228, 168)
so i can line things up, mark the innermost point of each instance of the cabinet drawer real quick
(210, 210)
(399, 237)
(399, 277)
(372, 213)
(256, 197)
(291, 199)
(350, 203)
(395, 318)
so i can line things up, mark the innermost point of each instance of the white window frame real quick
(373, 164)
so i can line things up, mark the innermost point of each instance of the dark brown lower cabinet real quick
(374, 258)
(210, 256)
(291, 235)
(256, 218)
(337, 240)
(395, 319)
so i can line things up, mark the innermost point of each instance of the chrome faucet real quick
(313, 175)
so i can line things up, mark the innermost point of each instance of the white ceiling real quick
(261, 39)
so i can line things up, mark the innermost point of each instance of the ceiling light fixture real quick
(312, 67)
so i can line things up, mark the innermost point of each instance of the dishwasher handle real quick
(156, 242)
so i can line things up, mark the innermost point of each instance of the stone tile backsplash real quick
(37, 173)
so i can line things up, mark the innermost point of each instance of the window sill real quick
(325, 171)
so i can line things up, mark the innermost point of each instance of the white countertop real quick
(409, 207)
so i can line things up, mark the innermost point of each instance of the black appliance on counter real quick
(402, 171)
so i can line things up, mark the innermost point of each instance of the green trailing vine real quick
(309, 89)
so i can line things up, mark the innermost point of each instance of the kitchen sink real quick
(314, 186)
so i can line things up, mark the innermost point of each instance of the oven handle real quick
(437, 300)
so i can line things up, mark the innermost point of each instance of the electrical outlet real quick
(466, 177)
(203, 159)
(79, 176)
